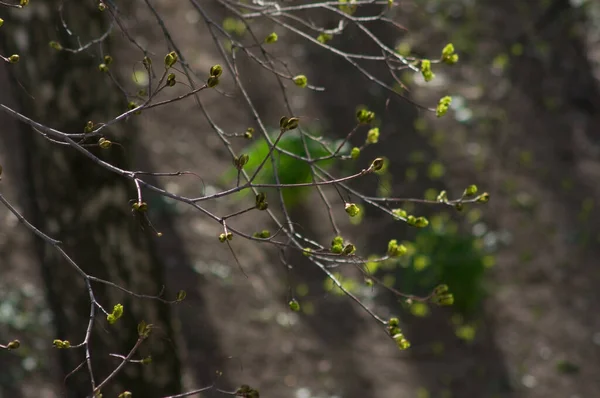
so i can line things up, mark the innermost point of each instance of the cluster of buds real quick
(426, 71)
(393, 328)
(261, 201)
(372, 136)
(448, 55)
(144, 329)
(61, 343)
(443, 106)
(365, 116)
(225, 236)
(264, 234)
(441, 296)
(395, 249)
(115, 314)
(419, 222)
(339, 247)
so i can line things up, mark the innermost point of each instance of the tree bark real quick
(86, 207)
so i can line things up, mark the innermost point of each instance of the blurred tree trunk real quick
(86, 207)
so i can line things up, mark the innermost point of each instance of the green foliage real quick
(442, 254)
(290, 169)
(426, 71)
(443, 106)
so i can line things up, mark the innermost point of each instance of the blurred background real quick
(524, 126)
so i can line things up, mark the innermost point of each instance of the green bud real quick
(401, 341)
(483, 198)
(355, 153)
(216, 70)
(448, 55)
(249, 133)
(394, 322)
(352, 209)
(147, 62)
(300, 81)
(294, 305)
(337, 249)
(89, 127)
(125, 394)
(443, 106)
(261, 201)
(365, 116)
(448, 50)
(170, 59)
(400, 213)
(181, 295)
(369, 282)
(24, 3)
(324, 38)
(395, 249)
(377, 164)
(421, 222)
(349, 9)
(212, 82)
(61, 344)
(470, 191)
(140, 206)
(243, 390)
(440, 289)
(103, 68)
(171, 80)
(307, 251)
(265, 234)
(222, 238)
(116, 314)
(101, 6)
(282, 122)
(445, 299)
(13, 345)
(459, 206)
(442, 197)
(411, 220)
(55, 45)
(373, 136)
(108, 59)
(1, 22)
(13, 59)
(104, 143)
(229, 236)
(290, 123)
(349, 249)
(338, 240)
(147, 360)
(144, 329)
(271, 38)
(428, 75)
(241, 161)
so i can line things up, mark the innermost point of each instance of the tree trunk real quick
(86, 207)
